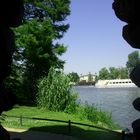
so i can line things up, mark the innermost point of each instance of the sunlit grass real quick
(55, 127)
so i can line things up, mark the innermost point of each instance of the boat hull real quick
(116, 83)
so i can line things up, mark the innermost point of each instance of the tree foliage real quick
(122, 72)
(37, 46)
(74, 77)
(133, 60)
(103, 73)
(113, 73)
(56, 10)
(39, 52)
(35, 39)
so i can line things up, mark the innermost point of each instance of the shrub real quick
(72, 105)
(96, 115)
(54, 92)
(89, 112)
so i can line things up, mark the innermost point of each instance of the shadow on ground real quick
(62, 132)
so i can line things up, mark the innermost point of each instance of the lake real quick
(116, 100)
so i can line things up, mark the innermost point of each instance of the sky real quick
(94, 39)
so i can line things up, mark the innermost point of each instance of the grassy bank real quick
(83, 132)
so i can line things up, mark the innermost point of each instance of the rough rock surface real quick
(129, 11)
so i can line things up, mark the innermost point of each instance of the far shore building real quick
(88, 78)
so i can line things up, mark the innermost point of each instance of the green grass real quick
(82, 132)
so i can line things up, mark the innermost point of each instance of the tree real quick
(113, 73)
(118, 73)
(123, 73)
(37, 47)
(103, 74)
(55, 10)
(74, 77)
(133, 60)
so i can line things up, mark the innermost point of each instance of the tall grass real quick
(55, 92)
(96, 115)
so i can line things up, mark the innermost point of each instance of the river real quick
(118, 101)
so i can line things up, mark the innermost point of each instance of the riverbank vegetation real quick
(55, 93)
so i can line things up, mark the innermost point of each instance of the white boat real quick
(116, 83)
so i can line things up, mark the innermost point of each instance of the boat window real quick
(119, 82)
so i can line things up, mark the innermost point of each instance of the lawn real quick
(82, 132)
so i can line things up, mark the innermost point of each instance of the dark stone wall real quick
(11, 14)
(128, 11)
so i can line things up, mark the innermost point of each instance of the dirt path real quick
(34, 135)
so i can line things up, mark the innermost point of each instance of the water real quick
(116, 100)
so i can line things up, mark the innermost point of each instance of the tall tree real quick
(133, 60)
(123, 73)
(113, 73)
(103, 74)
(37, 47)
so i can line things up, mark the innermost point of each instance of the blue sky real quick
(94, 39)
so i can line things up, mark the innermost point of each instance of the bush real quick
(72, 105)
(54, 92)
(96, 115)
(91, 113)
